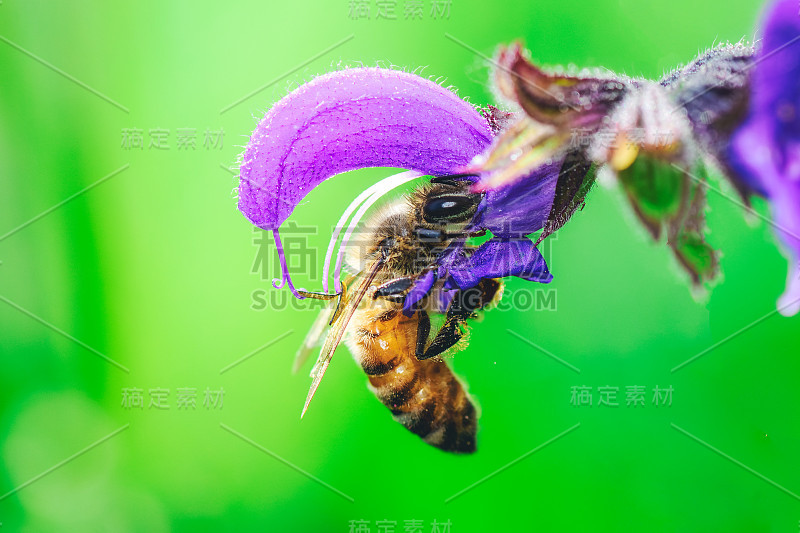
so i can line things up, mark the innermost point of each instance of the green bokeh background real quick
(152, 268)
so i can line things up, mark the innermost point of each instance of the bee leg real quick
(457, 315)
(423, 330)
(464, 306)
(394, 290)
(446, 338)
(326, 296)
(317, 295)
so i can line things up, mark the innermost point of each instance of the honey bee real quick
(400, 354)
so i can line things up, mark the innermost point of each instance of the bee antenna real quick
(453, 179)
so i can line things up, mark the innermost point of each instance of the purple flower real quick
(374, 117)
(765, 150)
(655, 136)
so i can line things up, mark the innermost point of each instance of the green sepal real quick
(667, 198)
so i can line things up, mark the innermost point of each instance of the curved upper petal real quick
(350, 119)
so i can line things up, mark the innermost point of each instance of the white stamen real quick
(337, 230)
(374, 193)
(340, 225)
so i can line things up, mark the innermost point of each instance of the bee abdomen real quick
(442, 412)
(424, 396)
(427, 398)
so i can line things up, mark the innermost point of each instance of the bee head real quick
(410, 235)
(444, 209)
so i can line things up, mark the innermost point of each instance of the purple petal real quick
(776, 78)
(444, 299)
(784, 196)
(523, 206)
(498, 258)
(766, 148)
(419, 290)
(350, 119)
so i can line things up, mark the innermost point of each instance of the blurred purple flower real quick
(766, 149)
(374, 117)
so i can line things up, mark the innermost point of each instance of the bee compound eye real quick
(449, 208)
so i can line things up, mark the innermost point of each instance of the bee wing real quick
(325, 318)
(314, 336)
(345, 311)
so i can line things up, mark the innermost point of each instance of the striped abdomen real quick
(424, 396)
